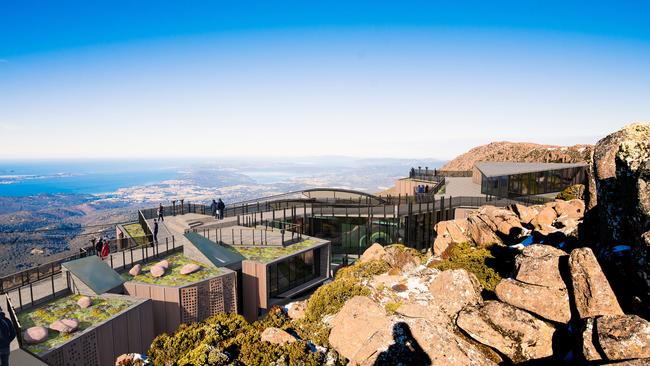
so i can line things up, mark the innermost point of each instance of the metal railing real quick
(257, 234)
(432, 174)
(118, 260)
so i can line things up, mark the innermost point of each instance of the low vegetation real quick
(476, 260)
(228, 339)
(572, 192)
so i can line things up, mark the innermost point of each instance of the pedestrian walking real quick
(106, 249)
(7, 334)
(155, 232)
(222, 208)
(161, 213)
(215, 208)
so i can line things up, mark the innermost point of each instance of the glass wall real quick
(293, 271)
(528, 184)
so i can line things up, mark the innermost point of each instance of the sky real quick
(406, 79)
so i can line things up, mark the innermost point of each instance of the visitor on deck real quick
(426, 189)
(7, 334)
(98, 246)
(106, 249)
(161, 213)
(215, 208)
(221, 207)
(155, 232)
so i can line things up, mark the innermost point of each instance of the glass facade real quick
(293, 271)
(530, 184)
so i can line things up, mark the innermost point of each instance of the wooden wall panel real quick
(121, 335)
(106, 354)
(172, 309)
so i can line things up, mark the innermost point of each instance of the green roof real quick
(94, 273)
(223, 255)
(172, 276)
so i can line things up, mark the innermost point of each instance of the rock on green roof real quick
(94, 273)
(172, 276)
(102, 308)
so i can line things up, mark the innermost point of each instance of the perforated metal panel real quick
(189, 305)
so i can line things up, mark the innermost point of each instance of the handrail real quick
(14, 320)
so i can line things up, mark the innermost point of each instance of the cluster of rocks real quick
(39, 334)
(421, 313)
(554, 222)
(159, 269)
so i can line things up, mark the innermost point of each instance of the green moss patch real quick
(101, 309)
(475, 260)
(270, 253)
(172, 276)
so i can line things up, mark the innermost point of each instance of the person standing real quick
(7, 334)
(221, 207)
(161, 213)
(106, 249)
(155, 232)
(215, 208)
(98, 246)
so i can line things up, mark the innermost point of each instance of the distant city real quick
(51, 208)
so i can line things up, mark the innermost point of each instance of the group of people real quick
(102, 247)
(422, 188)
(218, 209)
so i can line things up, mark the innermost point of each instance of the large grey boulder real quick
(513, 332)
(591, 291)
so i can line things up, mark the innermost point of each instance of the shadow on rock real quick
(405, 350)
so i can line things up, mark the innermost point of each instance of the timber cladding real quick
(190, 303)
(127, 332)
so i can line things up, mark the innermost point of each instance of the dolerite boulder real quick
(480, 232)
(503, 222)
(454, 289)
(189, 268)
(513, 332)
(359, 329)
(374, 252)
(538, 286)
(157, 271)
(84, 302)
(163, 263)
(591, 291)
(548, 303)
(135, 270)
(65, 325)
(449, 233)
(276, 336)
(623, 337)
(297, 310)
(539, 264)
(589, 341)
(620, 199)
(35, 335)
(440, 342)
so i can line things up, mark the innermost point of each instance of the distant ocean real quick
(29, 178)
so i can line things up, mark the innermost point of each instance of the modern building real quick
(512, 179)
(184, 298)
(271, 271)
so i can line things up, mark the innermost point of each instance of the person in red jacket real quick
(106, 249)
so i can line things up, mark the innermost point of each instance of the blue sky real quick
(373, 79)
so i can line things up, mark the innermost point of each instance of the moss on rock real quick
(474, 260)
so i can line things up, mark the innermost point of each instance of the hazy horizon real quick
(364, 79)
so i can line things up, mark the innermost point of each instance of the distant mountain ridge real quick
(520, 152)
